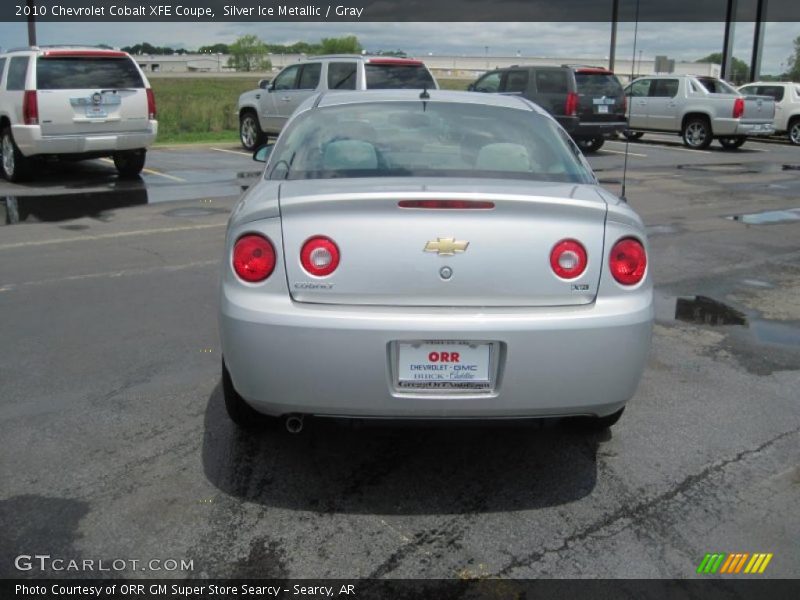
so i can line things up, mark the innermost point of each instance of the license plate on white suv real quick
(444, 365)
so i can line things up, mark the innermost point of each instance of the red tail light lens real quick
(738, 108)
(628, 261)
(253, 258)
(571, 107)
(151, 104)
(319, 256)
(624, 105)
(30, 108)
(568, 259)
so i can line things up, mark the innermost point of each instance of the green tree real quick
(249, 53)
(343, 45)
(793, 71)
(741, 70)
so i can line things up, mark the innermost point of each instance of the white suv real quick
(787, 105)
(264, 111)
(73, 103)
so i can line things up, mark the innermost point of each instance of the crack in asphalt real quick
(640, 509)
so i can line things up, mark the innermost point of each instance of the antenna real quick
(630, 105)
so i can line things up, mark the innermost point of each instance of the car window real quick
(286, 79)
(2, 67)
(309, 76)
(342, 75)
(425, 139)
(64, 73)
(664, 88)
(775, 91)
(750, 89)
(716, 86)
(598, 84)
(392, 76)
(551, 82)
(516, 81)
(17, 70)
(489, 83)
(640, 88)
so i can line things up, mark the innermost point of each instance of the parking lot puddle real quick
(703, 310)
(768, 217)
(65, 207)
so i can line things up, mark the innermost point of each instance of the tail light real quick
(319, 256)
(253, 258)
(445, 204)
(738, 108)
(30, 108)
(151, 104)
(628, 261)
(624, 105)
(571, 106)
(568, 259)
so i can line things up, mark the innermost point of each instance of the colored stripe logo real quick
(734, 563)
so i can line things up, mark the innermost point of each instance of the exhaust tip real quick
(294, 423)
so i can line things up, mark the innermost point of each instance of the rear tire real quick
(239, 411)
(130, 164)
(15, 165)
(590, 144)
(250, 133)
(632, 135)
(732, 143)
(794, 131)
(697, 133)
(595, 424)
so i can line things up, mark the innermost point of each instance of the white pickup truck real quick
(699, 109)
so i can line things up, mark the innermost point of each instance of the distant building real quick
(183, 63)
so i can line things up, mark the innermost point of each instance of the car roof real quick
(404, 95)
(64, 50)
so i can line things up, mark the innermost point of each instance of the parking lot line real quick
(152, 172)
(105, 236)
(622, 152)
(662, 146)
(233, 152)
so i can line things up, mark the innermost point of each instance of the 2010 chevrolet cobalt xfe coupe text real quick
(436, 255)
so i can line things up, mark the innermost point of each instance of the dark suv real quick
(587, 101)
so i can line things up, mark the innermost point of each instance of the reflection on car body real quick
(434, 255)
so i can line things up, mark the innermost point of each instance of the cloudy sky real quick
(682, 41)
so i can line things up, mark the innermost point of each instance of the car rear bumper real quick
(596, 128)
(755, 129)
(333, 360)
(31, 142)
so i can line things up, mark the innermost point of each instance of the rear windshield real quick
(65, 73)
(598, 84)
(716, 86)
(426, 139)
(394, 77)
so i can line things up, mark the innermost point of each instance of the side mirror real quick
(262, 154)
(263, 83)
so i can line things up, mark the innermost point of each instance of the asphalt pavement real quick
(116, 445)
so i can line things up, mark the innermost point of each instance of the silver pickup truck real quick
(699, 109)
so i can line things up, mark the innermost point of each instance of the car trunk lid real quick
(392, 255)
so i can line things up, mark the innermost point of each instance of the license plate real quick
(96, 112)
(603, 108)
(443, 364)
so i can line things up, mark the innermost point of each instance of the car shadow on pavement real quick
(390, 469)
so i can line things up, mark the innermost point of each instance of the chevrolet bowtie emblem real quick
(446, 246)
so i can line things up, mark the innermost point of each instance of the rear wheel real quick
(632, 135)
(14, 164)
(731, 143)
(794, 131)
(696, 133)
(239, 411)
(250, 132)
(130, 164)
(595, 424)
(590, 144)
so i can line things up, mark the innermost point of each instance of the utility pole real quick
(31, 22)
(614, 17)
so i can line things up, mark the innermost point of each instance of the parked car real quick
(73, 103)
(787, 105)
(264, 112)
(587, 101)
(432, 254)
(699, 109)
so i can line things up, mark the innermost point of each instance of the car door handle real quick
(286, 99)
(672, 104)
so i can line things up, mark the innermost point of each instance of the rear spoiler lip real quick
(395, 61)
(84, 54)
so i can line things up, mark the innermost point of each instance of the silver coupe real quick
(425, 254)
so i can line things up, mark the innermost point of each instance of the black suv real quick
(587, 101)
